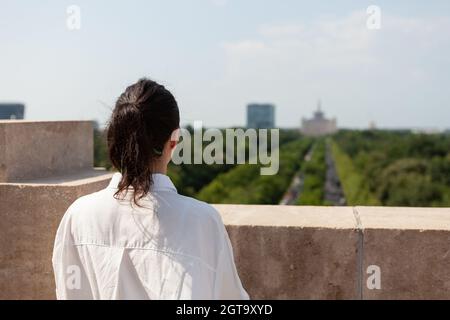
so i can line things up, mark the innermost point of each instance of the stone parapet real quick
(296, 252)
(44, 167)
(38, 149)
(30, 214)
(281, 252)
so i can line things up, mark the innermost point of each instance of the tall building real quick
(11, 111)
(260, 116)
(318, 125)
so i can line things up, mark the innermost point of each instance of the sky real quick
(216, 56)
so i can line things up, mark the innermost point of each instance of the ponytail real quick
(142, 121)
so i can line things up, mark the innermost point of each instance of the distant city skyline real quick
(217, 56)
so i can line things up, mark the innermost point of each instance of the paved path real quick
(334, 194)
(293, 192)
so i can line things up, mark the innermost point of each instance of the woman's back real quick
(138, 238)
(173, 247)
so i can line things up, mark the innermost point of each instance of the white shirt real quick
(174, 248)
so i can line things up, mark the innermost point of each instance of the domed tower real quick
(318, 125)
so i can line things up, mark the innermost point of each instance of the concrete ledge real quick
(325, 252)
(292, 252)
(44, 167)
(287, 216)
(30, 215)
(37, 149)
(411, 246)
(281, 252)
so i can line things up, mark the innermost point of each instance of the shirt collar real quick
(161, 182)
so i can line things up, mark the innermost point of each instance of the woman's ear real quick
(174, 137)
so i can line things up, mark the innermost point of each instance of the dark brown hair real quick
(143, 119)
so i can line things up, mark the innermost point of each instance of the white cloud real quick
(353, 68)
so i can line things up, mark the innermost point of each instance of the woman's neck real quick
(159, 168)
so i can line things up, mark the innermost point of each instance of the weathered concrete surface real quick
(30, 215)
(38, 149)
(293, 252)
(411, 246)
(324, 252)
(281, 252)
(44, 167)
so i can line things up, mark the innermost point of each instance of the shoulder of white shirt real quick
(163, 183)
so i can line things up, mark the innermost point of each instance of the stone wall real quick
(30, 215)
(281, 252)
(44, 167)
(40, 149)
(294, 252)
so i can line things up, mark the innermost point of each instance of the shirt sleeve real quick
(228, 285)
(70, 278)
